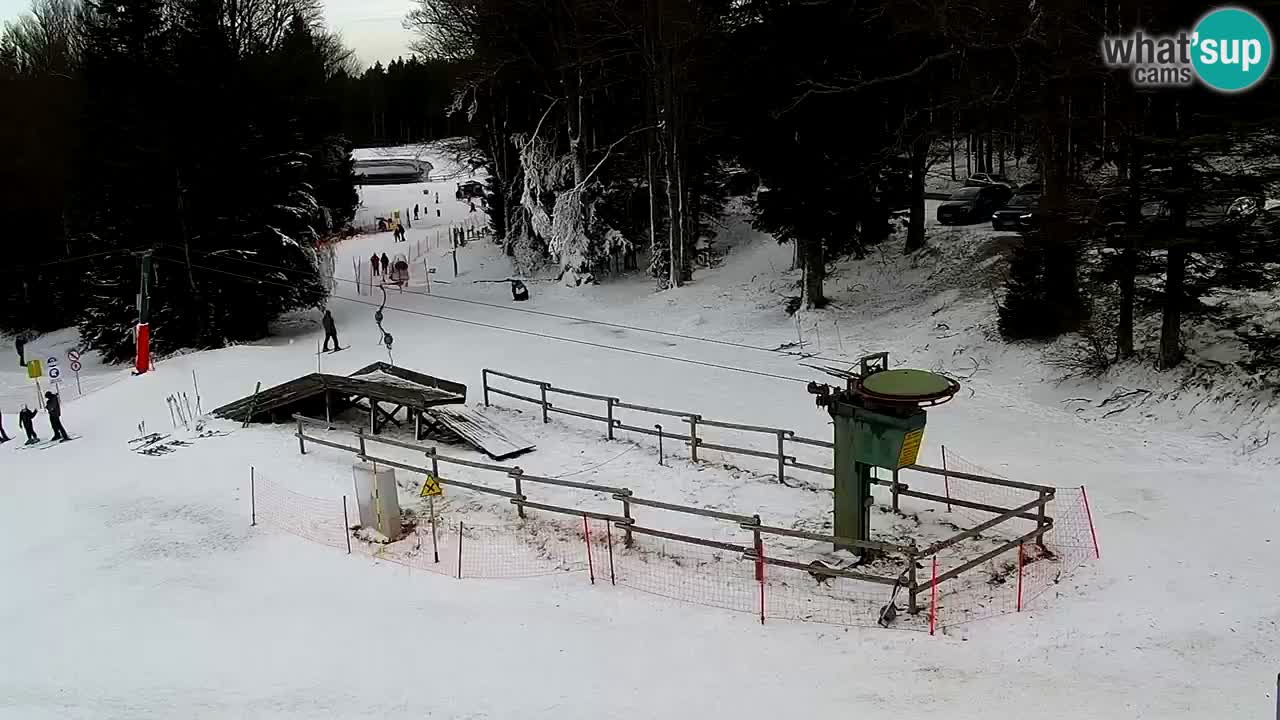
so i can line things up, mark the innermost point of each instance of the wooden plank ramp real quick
(481, 432)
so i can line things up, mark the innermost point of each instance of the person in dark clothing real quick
(373, 262)
(385, 262)
(415, 211)
(330, 331)
(472, 203)
(519, 291)
(21, 345)
(25, 416)
(4, 437)
(53, 406)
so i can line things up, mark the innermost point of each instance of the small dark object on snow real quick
(519, 291)
(21, 344)
(887, 615)
(822, 578)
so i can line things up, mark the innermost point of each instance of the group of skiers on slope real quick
(376, 262)
(26, 417)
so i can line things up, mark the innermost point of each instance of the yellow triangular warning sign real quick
(431, 487)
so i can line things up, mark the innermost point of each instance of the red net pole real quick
(933, 597)
(1019, 607)
(586, 537)
(1085, 496)
(608, 533)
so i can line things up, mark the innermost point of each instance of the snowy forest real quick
(614, 133)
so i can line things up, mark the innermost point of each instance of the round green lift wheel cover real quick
(906, 384)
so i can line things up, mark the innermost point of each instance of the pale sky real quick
(371, 27)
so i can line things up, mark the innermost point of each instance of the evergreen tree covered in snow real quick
(210, 151)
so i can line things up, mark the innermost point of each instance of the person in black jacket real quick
(25, 416)
(385, 262)
(330, 331)
(53, 406)
(21, 345)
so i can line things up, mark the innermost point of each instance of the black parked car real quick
(973, 204)
(1007, 217)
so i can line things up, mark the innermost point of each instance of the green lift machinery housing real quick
(879, 421)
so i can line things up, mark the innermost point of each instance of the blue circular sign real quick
(1231, 49)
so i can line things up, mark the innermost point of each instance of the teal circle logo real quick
(1231, 49)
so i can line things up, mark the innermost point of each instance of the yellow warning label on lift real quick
(910, 448)
(34, 369)
(431, 487)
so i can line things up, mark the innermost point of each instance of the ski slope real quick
(135, 587)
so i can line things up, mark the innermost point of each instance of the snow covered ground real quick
(135, 587)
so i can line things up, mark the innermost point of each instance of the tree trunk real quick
(1171, 320)
(915, 224)
(814, 272)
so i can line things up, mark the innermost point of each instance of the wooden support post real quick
(515, 475)
(543, 388)
(484, 382)
(1041, 524)
(360, 436)
(693, 437)
(912, 607)
(610, 402)
(459, 549)
(627, 537)
(893, 490)
(373, 418)
(417, 425)
(328, 407)
(253, 501)
(782, 455)
(302, 447)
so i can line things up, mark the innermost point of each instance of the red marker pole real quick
(1085, 496)
(1020, 563)
(933, 597)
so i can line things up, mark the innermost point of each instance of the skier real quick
(330, 331)
(407, 224)
(25, 417)
(53, 406)
(21, 344)
(373, 262)
(472, 203)
(415, 211)
(4, 437)
(519, 291)
(385, 262)
(437, 198)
